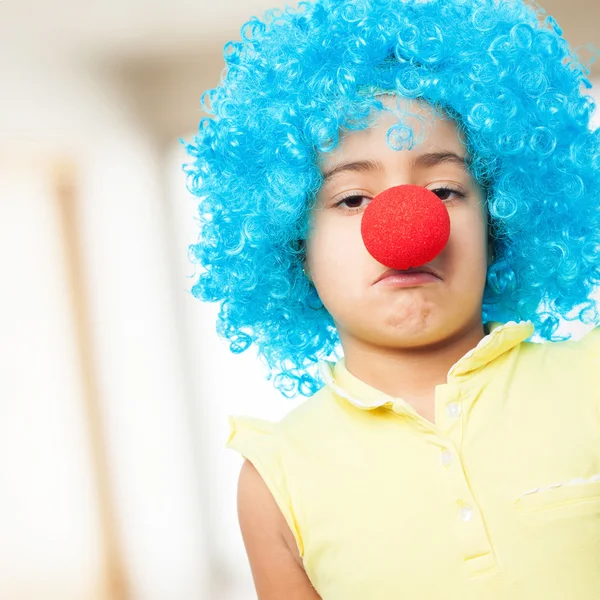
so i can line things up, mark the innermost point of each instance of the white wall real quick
(49, 547)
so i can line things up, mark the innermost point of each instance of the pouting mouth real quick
(423, 269)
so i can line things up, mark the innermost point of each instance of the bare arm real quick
(277, 574)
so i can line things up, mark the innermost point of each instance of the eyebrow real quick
(428, 160)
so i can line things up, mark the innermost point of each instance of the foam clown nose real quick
(405, 226)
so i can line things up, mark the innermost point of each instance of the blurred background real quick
(115, 483)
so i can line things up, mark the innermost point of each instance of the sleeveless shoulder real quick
(258, 441)
(289, 454)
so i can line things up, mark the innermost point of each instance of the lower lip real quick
(408, 279)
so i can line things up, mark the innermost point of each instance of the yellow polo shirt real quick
(498, 500)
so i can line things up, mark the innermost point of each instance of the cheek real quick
(334, 247)
(340, 267)
(467, 241)
(469, 229)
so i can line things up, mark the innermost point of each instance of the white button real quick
(446, 457)
(453, 409)
(466, 513)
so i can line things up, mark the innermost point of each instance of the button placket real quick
(465, 513)
(448, 408)
(472, 535)
(445, 393)
(446, 457)
(478, 551)
(453, 409)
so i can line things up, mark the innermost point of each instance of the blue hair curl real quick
(502, 70)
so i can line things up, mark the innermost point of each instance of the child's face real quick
(343, 271)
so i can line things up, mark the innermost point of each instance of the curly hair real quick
(502, 70)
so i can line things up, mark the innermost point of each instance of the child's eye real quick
(352, 200)
(443, 192)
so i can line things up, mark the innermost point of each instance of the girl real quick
(440, 453)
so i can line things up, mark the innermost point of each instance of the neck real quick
(411, 373)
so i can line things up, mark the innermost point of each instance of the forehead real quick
(432, 130)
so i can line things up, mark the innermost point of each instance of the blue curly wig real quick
(501, 70)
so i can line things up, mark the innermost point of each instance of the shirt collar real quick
(500, 338)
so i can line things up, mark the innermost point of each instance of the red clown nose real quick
(405, 226)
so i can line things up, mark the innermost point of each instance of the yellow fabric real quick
(498, 500)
